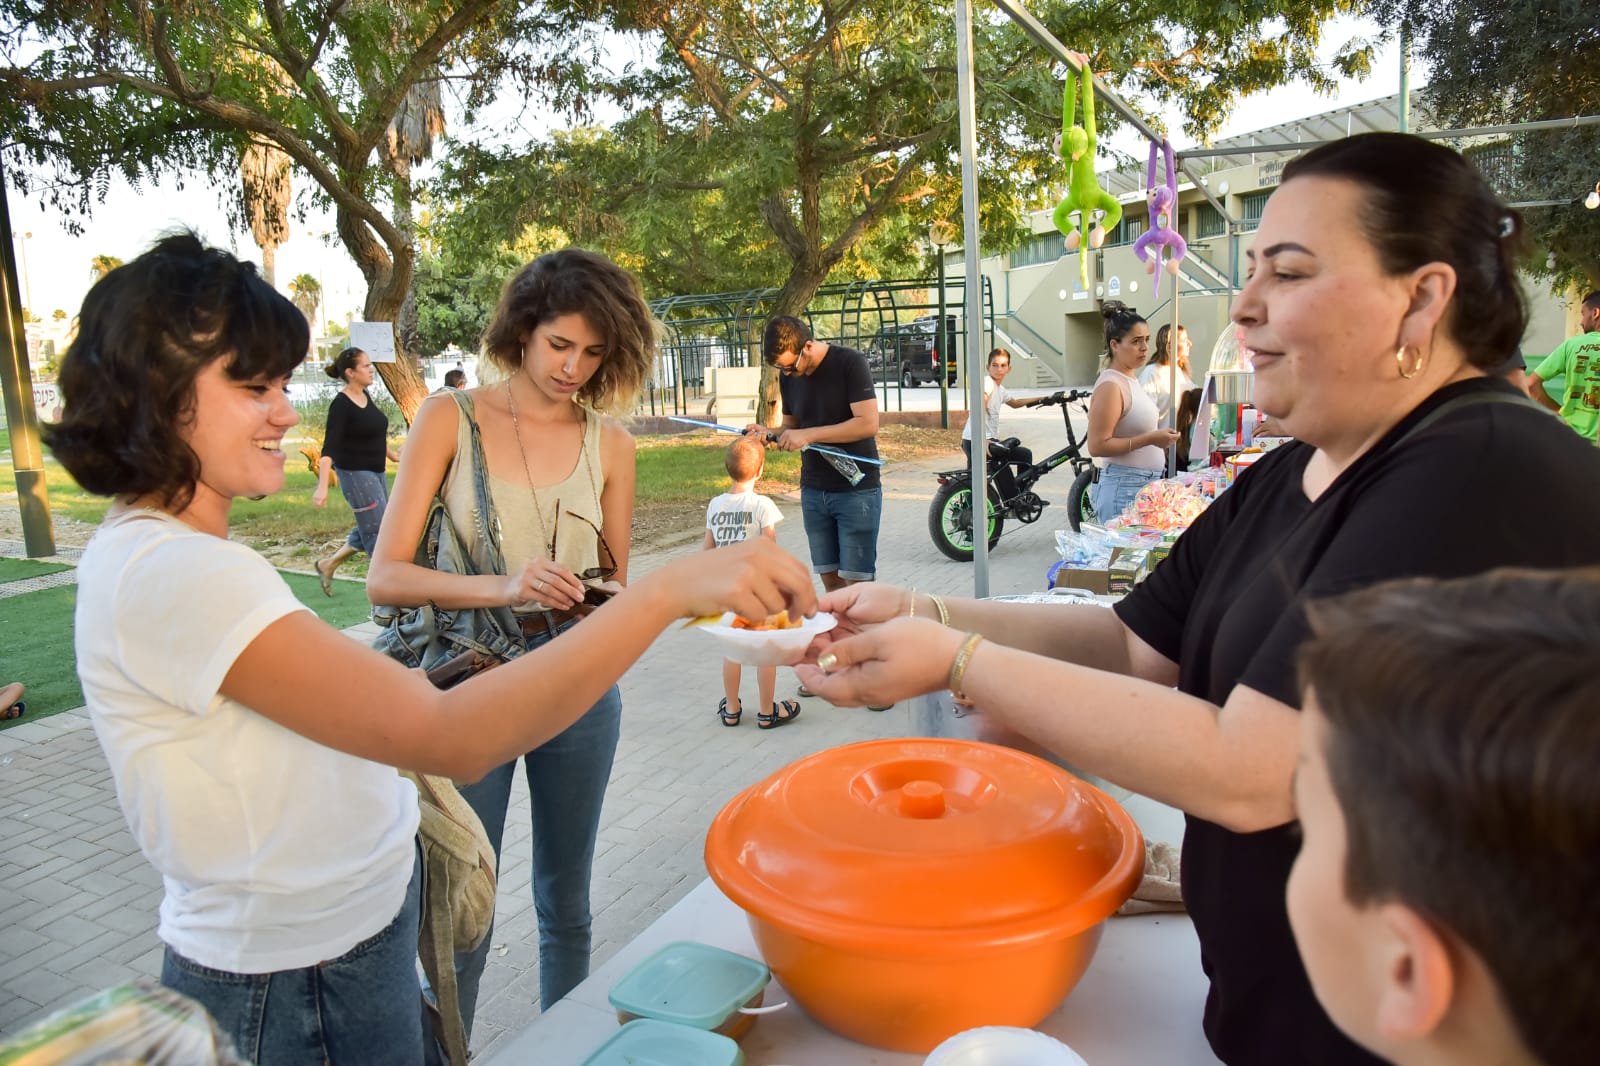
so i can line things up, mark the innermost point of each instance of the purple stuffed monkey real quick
(1163, 209)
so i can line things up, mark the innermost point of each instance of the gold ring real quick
(827, 661)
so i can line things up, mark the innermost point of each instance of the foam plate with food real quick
(778, 641)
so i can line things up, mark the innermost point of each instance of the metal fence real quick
(723, 329)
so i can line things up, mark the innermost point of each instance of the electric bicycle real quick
(951, 513)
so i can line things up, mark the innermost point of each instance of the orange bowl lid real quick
(917, 842)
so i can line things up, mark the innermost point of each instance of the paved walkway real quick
(78, 902)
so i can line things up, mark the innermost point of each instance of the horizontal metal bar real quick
(1427, 135)
(1036, 29)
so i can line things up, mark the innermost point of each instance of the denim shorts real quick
(1117, 487)
(842, 528)
(364, 1006)
(367, 493)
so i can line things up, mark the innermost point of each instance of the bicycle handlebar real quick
(1063, 396)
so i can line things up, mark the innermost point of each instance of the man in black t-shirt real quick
(828, 399)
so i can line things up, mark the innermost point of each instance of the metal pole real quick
(1427, 135)
(1172, 372)
(966, 98)
(16, 382)
(1405, 77)
(941, 355)
(27, 285)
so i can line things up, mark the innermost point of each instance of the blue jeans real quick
(842, 529)
(367, 493)
(364, 1006)
(567, 778)
(1117, 487)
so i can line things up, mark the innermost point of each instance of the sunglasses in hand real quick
(592, 596)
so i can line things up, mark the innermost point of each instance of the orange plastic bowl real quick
(903, 891)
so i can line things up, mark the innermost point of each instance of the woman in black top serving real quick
(1382, 286)
(357, 447)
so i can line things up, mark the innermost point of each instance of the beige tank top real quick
(577, 547)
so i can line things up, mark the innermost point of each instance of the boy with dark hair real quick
(737, 515)
(1579, 359)
(1448, 790)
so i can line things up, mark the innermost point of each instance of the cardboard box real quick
(1116, 578)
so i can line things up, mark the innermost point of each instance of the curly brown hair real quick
(575, 281)
(145, 332)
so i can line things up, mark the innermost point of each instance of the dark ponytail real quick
(342, 364)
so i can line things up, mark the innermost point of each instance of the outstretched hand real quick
(754, 578)
(884, 664)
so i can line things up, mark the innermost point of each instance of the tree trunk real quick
(406, 322)
(804, 279)
(388, 273)
(269, 264)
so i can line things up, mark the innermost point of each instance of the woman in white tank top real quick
(1122, 417)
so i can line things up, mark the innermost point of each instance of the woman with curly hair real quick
(574, 339)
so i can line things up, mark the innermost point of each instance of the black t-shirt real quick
(823, 398)
(357, 437)
(1486, 485)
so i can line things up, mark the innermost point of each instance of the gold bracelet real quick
(958, 668)
(912, 613)
(944, 612)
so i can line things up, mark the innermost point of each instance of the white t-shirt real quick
(1138, 416)
(736, 516)
(275, 852)
(994, 401)
(1157, 384)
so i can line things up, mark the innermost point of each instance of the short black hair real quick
(145, 332)
(1592, 300)
(455, 379)
(784, 333)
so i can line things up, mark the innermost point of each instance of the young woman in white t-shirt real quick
(1004, 455)
(1122, 417)
(252, 744)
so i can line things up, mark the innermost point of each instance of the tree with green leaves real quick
(266, 189)
(780, 136)
(101, 265)
(1507, 61)
(150, 89)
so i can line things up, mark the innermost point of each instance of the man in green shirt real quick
(1579, 360)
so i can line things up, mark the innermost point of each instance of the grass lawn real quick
(18, 569)
(36, 631)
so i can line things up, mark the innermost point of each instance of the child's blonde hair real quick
(744, 460)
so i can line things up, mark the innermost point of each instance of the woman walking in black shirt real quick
(1383, 287)
(357, 447)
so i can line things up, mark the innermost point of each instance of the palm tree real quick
(264, 172)
(101, 265)
(306, 292)
(407, 142)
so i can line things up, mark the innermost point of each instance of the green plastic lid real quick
(646, 1042)
(690, 984)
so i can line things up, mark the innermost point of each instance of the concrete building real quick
(1043, 313)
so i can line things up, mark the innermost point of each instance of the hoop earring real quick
(1400, 362)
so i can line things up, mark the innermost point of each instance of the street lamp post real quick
(941, 233)
(27, 289)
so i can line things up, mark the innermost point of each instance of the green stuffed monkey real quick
(1084, 194)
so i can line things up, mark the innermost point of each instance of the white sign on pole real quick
(374, 338)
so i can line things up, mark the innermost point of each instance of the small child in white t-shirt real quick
(736, 515)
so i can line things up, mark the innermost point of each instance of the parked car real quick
(906, 351)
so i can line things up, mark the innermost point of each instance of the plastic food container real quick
(906, 890)
(647, 1042)
(766, 647)
(695, 985)
(1000, 1045)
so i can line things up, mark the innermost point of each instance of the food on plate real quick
(780, 620)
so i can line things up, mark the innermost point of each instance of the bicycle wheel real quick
(950, 519)
(1079, 507)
